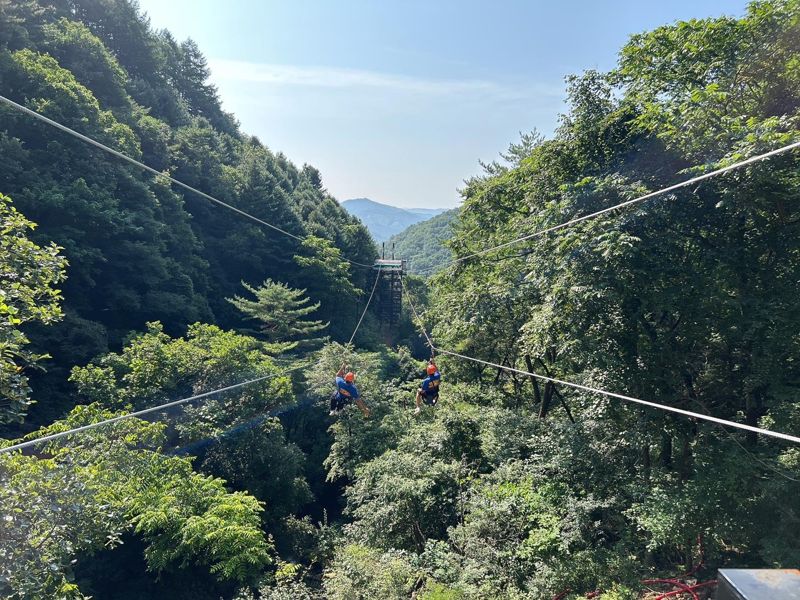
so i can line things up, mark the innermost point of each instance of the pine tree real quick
(281, 311)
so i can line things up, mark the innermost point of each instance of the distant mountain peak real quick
(383, 220)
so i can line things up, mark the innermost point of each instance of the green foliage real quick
(357, 440)
(154, 368)
(235, 441)
(189, 518)
(361, 572)
(94, 486)
(400, 501)
(293, 590)
(139, 250)
(330, 282)
(511, 487)
(28, 276)
(422, 244)
(19, 20)
(77, 50)
(281, 311)
(260, 462)
(682, 300)
(620, 592)
(437, 591)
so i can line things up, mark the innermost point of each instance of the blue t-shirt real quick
(346, 390)
(430, 385)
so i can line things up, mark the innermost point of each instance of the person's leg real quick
(363, 407)
(418, 402)
(334, 403)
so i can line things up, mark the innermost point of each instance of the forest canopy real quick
(511, 486)
(140, 250)
(423, 245)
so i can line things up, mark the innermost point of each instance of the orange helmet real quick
(350, 377)
(432, 369)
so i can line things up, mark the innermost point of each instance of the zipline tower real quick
(390, 287)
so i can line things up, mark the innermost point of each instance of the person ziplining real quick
(346, 393)
(428, 391)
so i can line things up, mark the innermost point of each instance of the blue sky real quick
(398, 101)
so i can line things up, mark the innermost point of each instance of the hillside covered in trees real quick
(423, 244)
(512, 486)
(139, 250)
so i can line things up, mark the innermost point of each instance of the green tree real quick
(328, 279)
(261, 462)
(154, 368)
(140, 251)
(422, 244)
(400, 501)
(281, 311)
(77, 50)
(94, 486)
(29, 275)
(359, 571)
(20, 21)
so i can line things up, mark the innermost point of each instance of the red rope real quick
(674, 583)
(690, 590)
(685, 588)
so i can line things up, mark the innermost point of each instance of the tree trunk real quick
(685, 466)
(564, 404)
(666, 451)
(754, 410)
(537, 393)
(548, 397)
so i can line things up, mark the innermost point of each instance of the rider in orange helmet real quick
(428, 392)
(346, 392)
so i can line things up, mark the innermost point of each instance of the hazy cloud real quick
(333, 77)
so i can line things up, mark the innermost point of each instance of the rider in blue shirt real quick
(428, 392)
(346, 392)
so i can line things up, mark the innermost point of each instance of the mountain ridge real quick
(383, 220)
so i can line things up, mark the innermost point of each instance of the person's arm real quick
(341, 370)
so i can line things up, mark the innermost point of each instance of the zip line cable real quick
(416, 314)
(196, 445)
(139, 413)
(539, 233)
(665, 407)
(363, 314)
(585, 388)
(208, 197)
(576, 220)
(479, 253)
(149, 169)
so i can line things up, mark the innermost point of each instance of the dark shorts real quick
(430, 398)
(338, 402)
